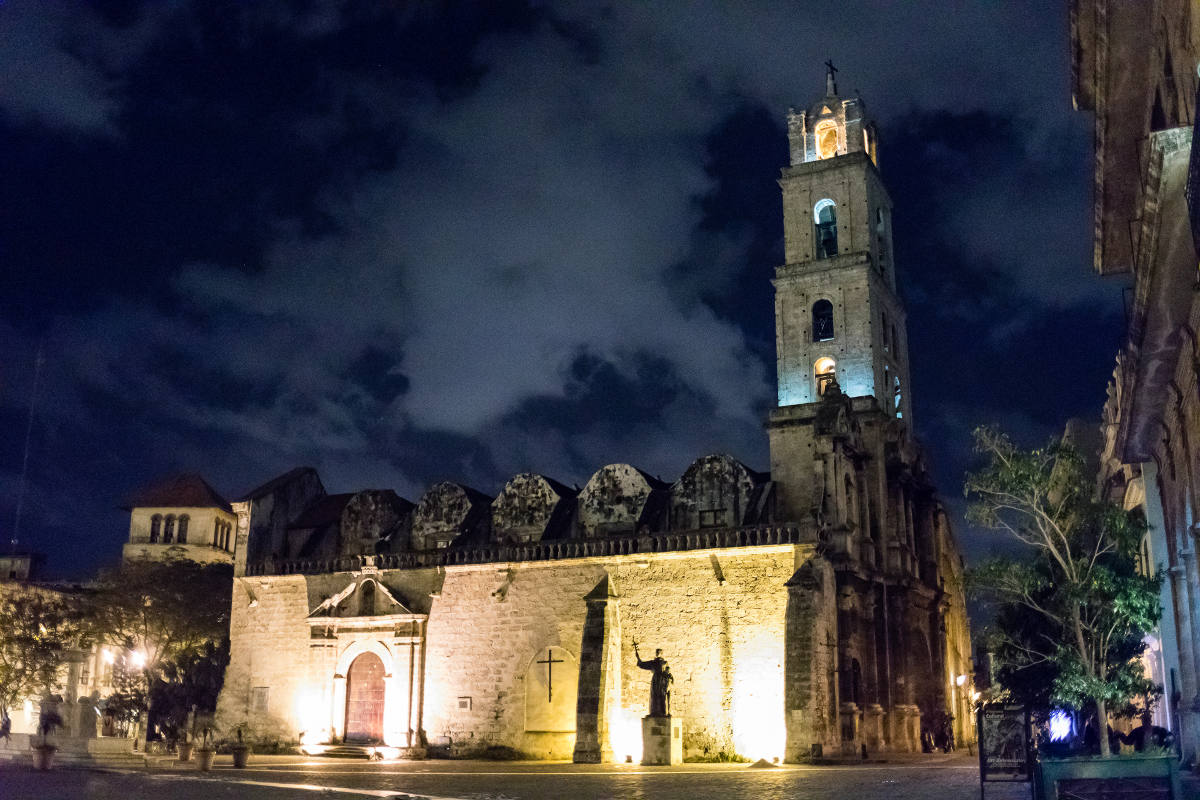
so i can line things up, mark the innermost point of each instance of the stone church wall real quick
(717, 615)
(269, 657)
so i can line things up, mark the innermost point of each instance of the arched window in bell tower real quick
(822, 321)
(826, 135)
(825, 371)
(898, 396)
(825, 217)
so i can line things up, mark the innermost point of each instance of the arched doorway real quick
(364, 699)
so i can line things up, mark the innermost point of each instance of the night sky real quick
(406, 242)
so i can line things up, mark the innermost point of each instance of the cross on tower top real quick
(830, 81)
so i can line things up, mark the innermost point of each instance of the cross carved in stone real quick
(550, 661)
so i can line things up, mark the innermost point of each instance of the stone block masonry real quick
(718, 615)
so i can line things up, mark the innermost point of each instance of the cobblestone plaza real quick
(943, 778)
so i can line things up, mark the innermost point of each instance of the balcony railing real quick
(634, 544)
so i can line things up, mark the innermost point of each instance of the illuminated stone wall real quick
(718, 615)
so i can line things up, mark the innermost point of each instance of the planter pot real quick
(1067, 777)
(43, 756)
(204, 758)
(240, 753)
(185, 751)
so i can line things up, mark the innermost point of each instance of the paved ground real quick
(936, 778)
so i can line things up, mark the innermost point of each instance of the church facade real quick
(817, 607)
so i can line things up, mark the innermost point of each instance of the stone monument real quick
(662, 733)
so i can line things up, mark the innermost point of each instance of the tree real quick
(192, 680)
(161, 616)
(1076, 609)
(38, 628)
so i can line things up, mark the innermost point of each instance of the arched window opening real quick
(886, 340)
(168, 529)
(825, 371)
(822, 321)
(825, 217)
(366, 601)
(897, 396)
(181, 535)
(827, 139)
(155, 528)
(217, 533)
(896, 341)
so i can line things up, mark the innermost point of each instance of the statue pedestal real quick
(662, 741)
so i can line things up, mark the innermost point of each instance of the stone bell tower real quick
(838, 318)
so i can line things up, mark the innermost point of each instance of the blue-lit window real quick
(822, 321)
(825, 217)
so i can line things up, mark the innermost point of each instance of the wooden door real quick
(364, 699)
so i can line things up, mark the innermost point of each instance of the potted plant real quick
(184, 746)
(43, 751)
(205, 752)
(240, 750)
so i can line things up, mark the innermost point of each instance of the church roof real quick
(326, 511)
(188, 490)
(273, 484)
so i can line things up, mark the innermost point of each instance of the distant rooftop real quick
(275, 483)
(179, 491)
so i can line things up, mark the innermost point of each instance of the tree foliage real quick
(192, 680)
(163, 618)
(38, 628)
(1072, 615)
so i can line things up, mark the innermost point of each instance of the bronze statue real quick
(660, 682)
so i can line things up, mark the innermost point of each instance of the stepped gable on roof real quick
(372, 517)
(533, 508)
(451, 513)
(717, 490)
(620, 498)
(179, 491)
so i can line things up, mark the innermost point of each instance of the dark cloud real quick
(410, 242)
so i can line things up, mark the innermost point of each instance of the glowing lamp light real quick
(108, 656)
(960, 680)
(1060, 725)
(626, 733)
(758, 726)
(138, 658)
